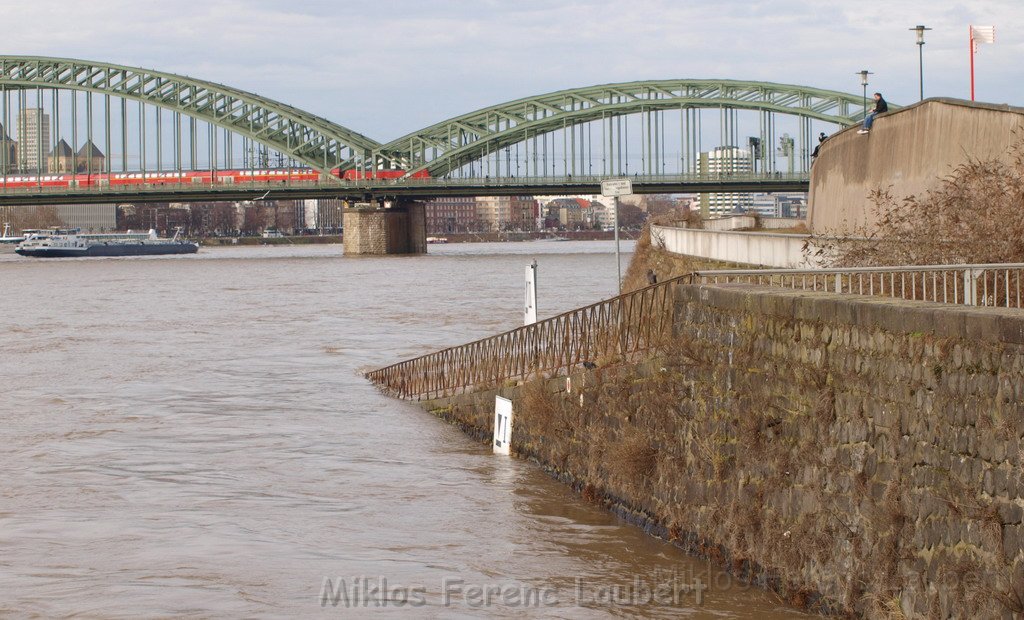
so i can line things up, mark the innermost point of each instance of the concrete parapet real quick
(907, 152)
(746, 248)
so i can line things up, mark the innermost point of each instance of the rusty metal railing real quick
(622, 326)
(610, 329)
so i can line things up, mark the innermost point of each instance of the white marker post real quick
(613, 188)
(502, 425)
(530, 309)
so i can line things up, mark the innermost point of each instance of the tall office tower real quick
(723, 162)
(33, 139)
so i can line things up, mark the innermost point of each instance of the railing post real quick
(839, 283)
(971, 285)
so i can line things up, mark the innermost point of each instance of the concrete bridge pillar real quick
(375, 229)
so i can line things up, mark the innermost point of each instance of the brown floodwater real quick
(192, 436)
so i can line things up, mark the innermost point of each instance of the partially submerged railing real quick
(995, 285)
(613, 328)
(619, 327)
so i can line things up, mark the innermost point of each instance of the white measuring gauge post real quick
(530, 307)
(502, 425)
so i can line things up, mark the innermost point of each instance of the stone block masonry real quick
(859, 456)
(370, 230)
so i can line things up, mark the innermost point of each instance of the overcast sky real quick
(386, 68)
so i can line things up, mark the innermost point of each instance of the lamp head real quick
(920, 33)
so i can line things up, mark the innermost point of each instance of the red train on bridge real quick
(202, 177)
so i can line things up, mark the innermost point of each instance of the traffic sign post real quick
(613, 188)
(616, 187)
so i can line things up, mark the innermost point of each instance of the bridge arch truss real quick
(550, 129)
(162, 99)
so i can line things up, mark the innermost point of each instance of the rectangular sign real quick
(616, 187)
(502, 425)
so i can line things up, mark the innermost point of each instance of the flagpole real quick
(971, 43)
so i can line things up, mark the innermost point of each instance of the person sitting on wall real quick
(880, 108)
(821, 140)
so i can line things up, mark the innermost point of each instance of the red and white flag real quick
(982, 34)
(979, 34)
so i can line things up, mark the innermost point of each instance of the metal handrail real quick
(623, 326)
(614, 328)
(987, 284)
(845, 270)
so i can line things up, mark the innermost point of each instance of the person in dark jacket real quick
(821, 140)
(880, 107)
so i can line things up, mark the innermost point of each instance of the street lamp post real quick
(920, 57)
(864, 73)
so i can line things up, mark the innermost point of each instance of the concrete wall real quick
(856, 455)
(908, 150)
(729, 223)
(735, 222)
(782, 222)
(746, 248)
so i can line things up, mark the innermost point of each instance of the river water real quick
(192, 436)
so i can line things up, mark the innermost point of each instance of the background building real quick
(506, 212)
(323, 215)
(567, 213)
(97, 218)
(725, 161)
(90, 158)
(33, 138)
(62, 158)
(780, 205)
(8, 152)
(452, 214)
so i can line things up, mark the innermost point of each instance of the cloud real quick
(387, 68)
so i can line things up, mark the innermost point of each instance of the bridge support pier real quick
(371, 229)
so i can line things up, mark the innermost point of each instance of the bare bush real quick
(21, 218)
(634, 458)
(974, 215)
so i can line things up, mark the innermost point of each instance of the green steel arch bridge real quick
(82, 131)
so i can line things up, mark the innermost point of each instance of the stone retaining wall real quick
(856, 455)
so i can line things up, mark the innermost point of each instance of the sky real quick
(386, 68)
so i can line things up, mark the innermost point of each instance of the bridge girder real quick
(471, 136)
(307, 138)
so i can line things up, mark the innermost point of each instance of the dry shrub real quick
(21, 218)
(633, 458)
(825, 406)
(1009, 590)
(974, 215)
(966, 582)
(541, 413)
(885, 607)
(888, 521)
(649, 253)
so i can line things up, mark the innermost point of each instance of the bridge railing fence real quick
(616, 328)
(992, 285)
(32, 183)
